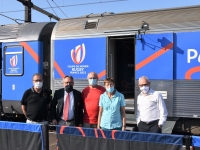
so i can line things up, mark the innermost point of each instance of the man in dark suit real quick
(67, 104)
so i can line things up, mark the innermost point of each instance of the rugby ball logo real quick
(78, 54)
(14, 61)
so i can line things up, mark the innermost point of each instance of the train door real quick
(121, 65)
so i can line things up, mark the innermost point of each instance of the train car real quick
(114, 45)
(25, 50)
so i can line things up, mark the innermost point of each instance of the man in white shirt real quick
(151, 109)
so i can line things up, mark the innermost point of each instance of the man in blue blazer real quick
(67, 104)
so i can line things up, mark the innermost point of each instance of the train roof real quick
(182, 18)
(23, 32)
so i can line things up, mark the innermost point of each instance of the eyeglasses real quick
(39, 80)
(141, 85)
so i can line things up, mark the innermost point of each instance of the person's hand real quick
(123, 128)
(98, 127)
(160, 126)
(54, 122)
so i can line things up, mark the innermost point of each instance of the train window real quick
(13, 60)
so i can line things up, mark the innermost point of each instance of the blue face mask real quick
(92, 81)
(110, 89)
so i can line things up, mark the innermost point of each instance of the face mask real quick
(110, 90)
(68, 88)
(92, 81)
(38, 85)
(144, 89)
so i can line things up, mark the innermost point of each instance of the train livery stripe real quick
(61, 73)
(154, 56)
(31, 51)
(113, 134)
(191, 71)
(103, 135)
(81, 130)
(101, 74)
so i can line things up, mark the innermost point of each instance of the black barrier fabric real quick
(76, 138)
(20, 136)
(196, 142)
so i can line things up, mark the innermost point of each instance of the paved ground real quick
(52, 141)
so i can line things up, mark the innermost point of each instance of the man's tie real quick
(66, 108)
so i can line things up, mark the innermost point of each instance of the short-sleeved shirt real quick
(91, 103)
(36, 104)
(111, 115)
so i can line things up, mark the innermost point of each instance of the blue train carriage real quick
(114, 45)
(25, 50)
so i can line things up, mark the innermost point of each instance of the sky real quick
(77, 8)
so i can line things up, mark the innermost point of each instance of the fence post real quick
(1, 109)
(187, 142)
(45, 133)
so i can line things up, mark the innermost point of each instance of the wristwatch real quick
(124, 126)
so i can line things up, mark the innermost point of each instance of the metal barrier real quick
(187, 142)
(34, 136)
(15, 135)
(70, 137)
(45, 131)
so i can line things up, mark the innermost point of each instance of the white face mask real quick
(144, 89)
(38, 85)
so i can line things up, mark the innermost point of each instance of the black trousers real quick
(149, 127)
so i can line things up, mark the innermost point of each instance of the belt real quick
(40, 120)
(149, 121)
(68, 120)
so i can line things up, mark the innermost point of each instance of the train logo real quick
(78, 55)
(14, 61)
